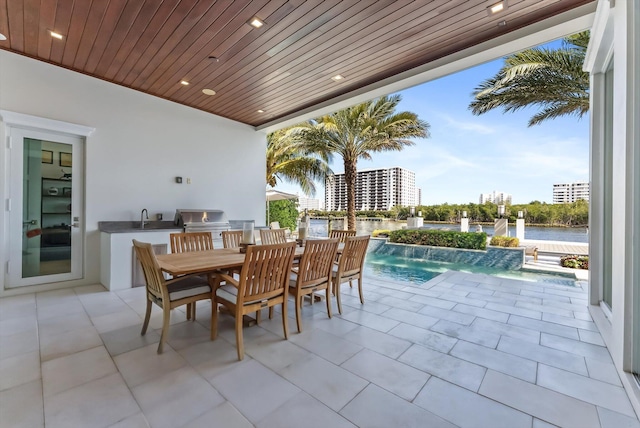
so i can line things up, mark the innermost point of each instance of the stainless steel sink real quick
(158, 225)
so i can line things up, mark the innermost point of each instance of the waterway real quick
(568, 234)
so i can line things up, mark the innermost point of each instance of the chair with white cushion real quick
(313, 273)
(184, 242)
(263, 283)
(350, 265)
(168, 294)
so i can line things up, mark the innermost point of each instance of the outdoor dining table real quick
(177, 264)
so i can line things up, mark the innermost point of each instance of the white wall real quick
(140, 144)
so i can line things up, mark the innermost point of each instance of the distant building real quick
(566, 193)
(498, 198)
(308, 204)
(376, 189)
(418, 196)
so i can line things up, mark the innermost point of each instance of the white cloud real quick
(546, 157)
(472, 126)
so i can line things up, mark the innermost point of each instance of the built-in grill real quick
(214, 221)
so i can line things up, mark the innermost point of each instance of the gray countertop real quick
(134, 226)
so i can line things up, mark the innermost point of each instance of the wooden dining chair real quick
(350, 265)
(192, 241)
(167, 294)
(263, 283)
(184, 242)
(341, 234)
(313, 274)
(273, 236)
(231, 238)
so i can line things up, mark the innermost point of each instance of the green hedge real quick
(504, 241)
(575, 262)
(440, 238)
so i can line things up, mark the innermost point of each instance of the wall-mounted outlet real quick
(188, 181)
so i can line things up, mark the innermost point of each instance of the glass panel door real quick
(45, 208)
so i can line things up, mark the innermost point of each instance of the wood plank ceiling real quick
(261, 74)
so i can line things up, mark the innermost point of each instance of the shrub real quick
(440, 238)
(284, 212)
(504, 241)
(380, 233)
(575, 262)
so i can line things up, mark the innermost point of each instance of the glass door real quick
(45, 208)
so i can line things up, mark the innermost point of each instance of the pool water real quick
(420, 271)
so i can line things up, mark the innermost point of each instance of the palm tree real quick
(356, 132)
(549, 78)
(291, 161)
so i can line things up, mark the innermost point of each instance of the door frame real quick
(13, 120)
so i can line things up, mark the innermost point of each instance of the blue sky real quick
(467, 155)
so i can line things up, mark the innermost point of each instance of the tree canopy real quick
(549, 79)
(541, 213)
(292, 161)
(357, 132)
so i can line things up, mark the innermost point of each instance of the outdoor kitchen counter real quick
(134, 226)
(119, 269)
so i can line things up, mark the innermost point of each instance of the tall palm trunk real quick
(350, 174)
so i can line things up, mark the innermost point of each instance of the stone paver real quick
(461, 350)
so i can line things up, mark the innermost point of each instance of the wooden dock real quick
(557, 247)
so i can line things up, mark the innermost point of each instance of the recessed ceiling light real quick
(3, 37)
(261, 111)
(256, 22)
(496, 8)
(208, 92)
(184, 82)
(55, 35)
(337, 78)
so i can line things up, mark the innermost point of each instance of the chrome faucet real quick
(142, 216)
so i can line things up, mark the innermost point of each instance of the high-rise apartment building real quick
(498, 198)
(565, 193)
(376, 189)
(308, 204)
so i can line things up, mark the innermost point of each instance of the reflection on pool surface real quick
(420, 271)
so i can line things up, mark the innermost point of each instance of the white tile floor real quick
(461, 350)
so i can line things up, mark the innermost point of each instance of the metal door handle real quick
(75, 225)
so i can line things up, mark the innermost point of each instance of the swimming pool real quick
(420, 271)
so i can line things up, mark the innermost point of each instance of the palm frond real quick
(551, 79)
(290, 159)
